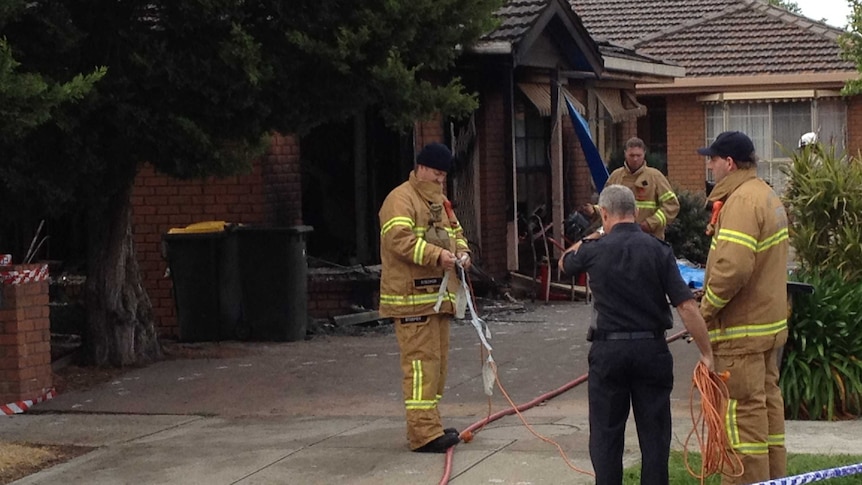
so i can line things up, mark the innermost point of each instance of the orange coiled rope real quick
(717, 455)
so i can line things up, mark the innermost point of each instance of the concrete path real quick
(328, 411)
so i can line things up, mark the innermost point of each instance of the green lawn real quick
(796, 465)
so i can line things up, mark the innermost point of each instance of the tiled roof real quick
(627, 53)
(717, 37)
(626, 21)
(516, 18)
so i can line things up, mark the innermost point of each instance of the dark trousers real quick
(636, 374)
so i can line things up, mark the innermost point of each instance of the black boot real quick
(450, 431)
(439, 444)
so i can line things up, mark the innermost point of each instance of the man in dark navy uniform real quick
(632, 277)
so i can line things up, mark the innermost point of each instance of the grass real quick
(17, 460)
(797, 464)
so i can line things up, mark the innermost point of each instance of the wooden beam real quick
(557, 215)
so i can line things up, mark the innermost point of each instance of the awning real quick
(540, 96)
(621, 105)
(770, 96)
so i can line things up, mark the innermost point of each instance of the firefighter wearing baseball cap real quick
(420, 241)
(745, 305)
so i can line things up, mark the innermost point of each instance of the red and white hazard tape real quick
(20, 277)
(22, 406)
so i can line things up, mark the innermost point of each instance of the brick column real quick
(25, 333)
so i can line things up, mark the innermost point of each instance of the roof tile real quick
(717, 37)
(627, 21)
(515, 17)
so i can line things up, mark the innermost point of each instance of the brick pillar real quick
(25, 333)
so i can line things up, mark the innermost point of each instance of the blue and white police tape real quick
(816, 476)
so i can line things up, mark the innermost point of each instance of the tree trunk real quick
(120, 329)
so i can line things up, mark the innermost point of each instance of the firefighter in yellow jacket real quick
(656, 202)
(420, 241)
(745, 305)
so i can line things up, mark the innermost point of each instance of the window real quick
(775, 128)
(532, 136)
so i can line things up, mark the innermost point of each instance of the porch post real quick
(556, 150)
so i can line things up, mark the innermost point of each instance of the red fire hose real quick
(447, 471)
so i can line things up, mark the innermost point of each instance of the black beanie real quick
(436, 156)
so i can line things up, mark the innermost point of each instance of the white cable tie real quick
(444, 285)
(481, 327)
(488, 378)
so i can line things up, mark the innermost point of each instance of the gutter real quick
(640, 67)
(492, 48)
(747, 83)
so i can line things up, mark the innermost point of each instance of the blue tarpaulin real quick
(691, 274)
(598, 170)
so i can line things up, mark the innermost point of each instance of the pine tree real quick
(194, 87)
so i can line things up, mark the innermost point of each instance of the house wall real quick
(425, 132)
(686, 128)
(581, 188)
(494, 171)
(270, 194)
(628, 129)
(854, 125)
(579, 183)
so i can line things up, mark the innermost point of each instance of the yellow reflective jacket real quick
(414, 229)
(745, 284)
(657, 203)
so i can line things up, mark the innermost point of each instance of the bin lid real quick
(199, 227)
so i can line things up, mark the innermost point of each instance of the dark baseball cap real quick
(734, 144)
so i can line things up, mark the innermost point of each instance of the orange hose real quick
(708, 428)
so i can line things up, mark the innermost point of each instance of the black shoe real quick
(450, 431)
(439, 444)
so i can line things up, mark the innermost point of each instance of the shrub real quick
(687, 234)
(821, 374)
(824, 197)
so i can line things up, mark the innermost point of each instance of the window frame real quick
(770, 158)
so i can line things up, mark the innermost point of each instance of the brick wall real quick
(628, 129)
(282, 182)
(331, 294)
(491, 123)
(580, 181)
(425, 132)
(686, 130)
(25, 337)
(270, 194)
(854, 126)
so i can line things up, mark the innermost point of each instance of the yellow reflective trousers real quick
(754, 417)
(424, 345)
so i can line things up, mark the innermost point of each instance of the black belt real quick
(628, 335)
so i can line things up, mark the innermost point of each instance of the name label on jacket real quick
(427, 282)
